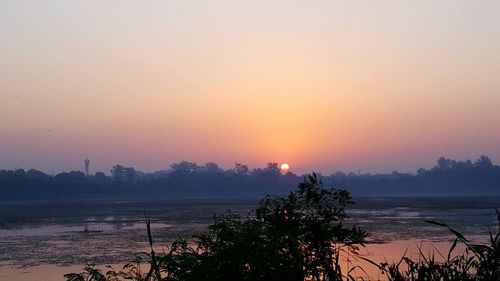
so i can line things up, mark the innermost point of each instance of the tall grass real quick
(476, 262)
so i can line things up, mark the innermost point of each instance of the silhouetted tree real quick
(35, 174)
(124, 174)
(212, 167)
(76, 176)
(20, 173)
(272, 168)
(483, 162)
(100, 176)
(241, 169)
(185, 166)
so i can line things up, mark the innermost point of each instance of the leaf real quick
(74, 277)
(452, 248)
(498, 219)
(459, 235)
(436, 222)
(373, 263)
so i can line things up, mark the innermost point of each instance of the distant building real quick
(87, 165)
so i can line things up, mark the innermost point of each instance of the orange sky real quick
(325, 86)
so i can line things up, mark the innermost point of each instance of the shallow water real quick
(50, 238)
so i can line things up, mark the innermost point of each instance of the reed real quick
(476, 262)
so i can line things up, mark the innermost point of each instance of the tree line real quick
(447, 177)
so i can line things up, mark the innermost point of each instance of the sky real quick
(374, 86)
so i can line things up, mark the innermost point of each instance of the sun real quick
(284, 167)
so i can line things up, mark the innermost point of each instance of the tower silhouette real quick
(87, 164)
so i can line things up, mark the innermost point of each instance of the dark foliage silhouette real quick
(300, 236)
(296, 237)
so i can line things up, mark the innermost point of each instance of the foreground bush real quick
(298, 237)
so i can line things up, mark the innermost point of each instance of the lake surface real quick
(45, 239)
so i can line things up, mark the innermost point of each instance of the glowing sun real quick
(284, 167)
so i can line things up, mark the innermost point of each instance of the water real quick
(47, 239)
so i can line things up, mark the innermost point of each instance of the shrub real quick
(297, 237)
